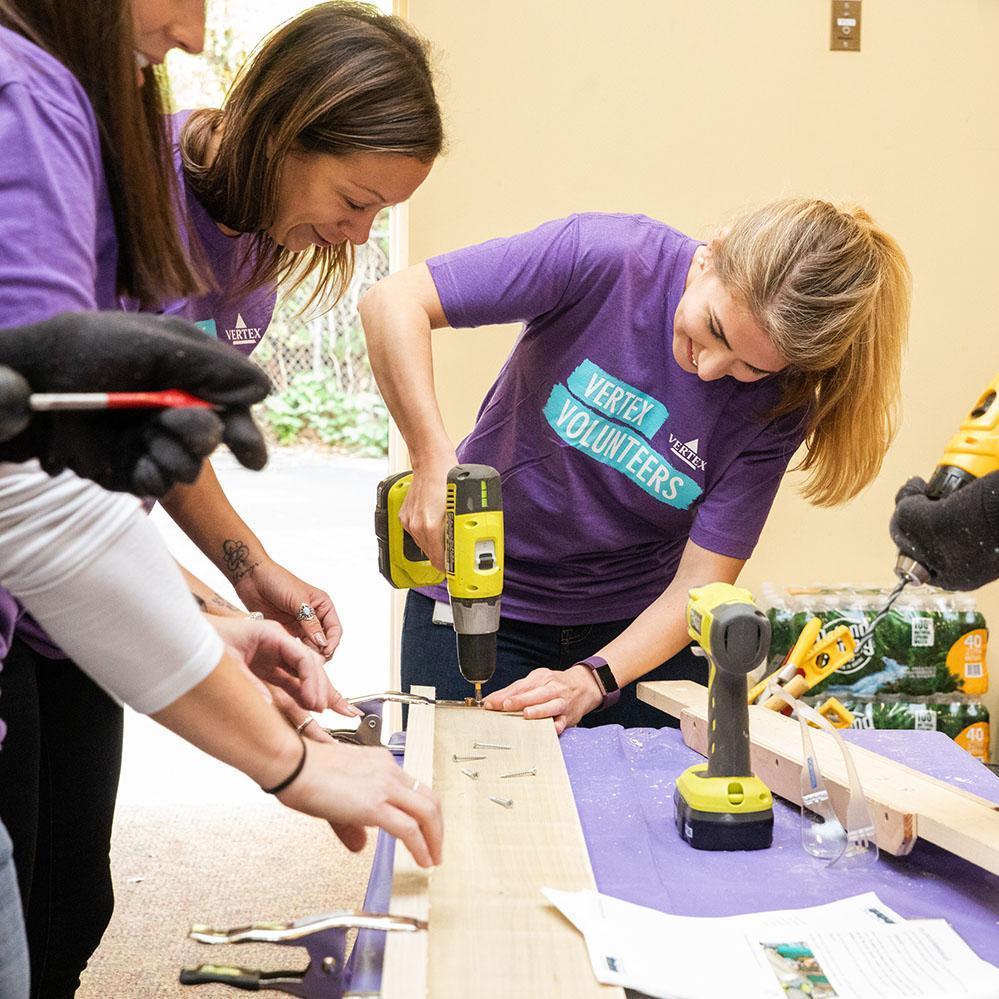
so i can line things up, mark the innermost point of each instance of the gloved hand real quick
(956, 538)
(143, 451)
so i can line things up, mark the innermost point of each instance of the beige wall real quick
(689, 111)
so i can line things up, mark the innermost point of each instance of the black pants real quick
(59, 768)
(429, 656)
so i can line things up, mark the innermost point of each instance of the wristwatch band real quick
(605, 680)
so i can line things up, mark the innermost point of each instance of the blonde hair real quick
(832, 291)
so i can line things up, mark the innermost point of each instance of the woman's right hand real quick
(422, 512)
(276, 658)
(354, 787)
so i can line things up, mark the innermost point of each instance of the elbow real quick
(372, 303)
(367, 304)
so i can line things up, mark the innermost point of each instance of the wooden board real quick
(905, 804)
(492, 934)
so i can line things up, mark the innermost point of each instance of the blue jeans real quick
(430, 657)
(13, 945)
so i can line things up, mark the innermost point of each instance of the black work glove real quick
(956, 538)
(142, 451)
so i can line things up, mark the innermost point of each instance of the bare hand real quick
(353, 787)
(422, 512)
(565, 695)
(284, 663)
(279, 594)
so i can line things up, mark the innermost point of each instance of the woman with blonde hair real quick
(642, 424)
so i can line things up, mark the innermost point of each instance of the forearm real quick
(208, 601)
(660, 631)
(397, 327)
(203, 512)
(225, 716)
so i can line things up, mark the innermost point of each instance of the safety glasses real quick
(823, 835)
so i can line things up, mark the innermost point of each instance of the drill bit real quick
(478, 694)
(892, 597)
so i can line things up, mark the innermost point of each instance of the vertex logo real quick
(687, 452)
(241, 333)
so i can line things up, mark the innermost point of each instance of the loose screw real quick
(463, 759)
(474, 774)
(489, 745)
(505, 802)
(533, 772)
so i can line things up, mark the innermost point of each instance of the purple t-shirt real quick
(58, 248)
(239, 321)
(611, 455)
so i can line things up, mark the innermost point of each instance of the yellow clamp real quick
(811, 660)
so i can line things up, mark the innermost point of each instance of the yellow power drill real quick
(971, 453)
(473, 541)
(721, 804)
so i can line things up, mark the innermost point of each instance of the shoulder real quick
(623, 228)
(638, 239)
(29, 76)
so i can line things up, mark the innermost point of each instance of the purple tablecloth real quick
(623, 783)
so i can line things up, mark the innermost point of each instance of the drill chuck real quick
(477, 657)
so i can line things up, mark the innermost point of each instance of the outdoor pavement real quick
(313, 511)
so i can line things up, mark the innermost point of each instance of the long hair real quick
(340, 78)
(832, 291)
(94, 41)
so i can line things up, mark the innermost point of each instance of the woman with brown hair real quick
(85, 222)
(344, 96)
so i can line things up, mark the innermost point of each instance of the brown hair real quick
(832, 291)
(94, 41)
(340, 78)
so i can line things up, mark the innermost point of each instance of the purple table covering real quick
(623, 781)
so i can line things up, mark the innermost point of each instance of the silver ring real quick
(416, 785)
(303, 724)
(305, 613)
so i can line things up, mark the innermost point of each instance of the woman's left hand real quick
(279, 595)
(565, 695)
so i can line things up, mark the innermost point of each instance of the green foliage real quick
(314, 409)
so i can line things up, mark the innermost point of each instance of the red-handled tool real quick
(45, 402)
(18, 402)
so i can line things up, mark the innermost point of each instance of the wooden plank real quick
(905, 804)
(404, 972)
(492, 933)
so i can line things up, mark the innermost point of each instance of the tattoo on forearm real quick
(237, 559)
(223, 603)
